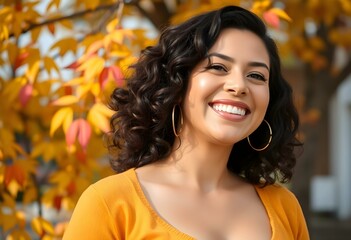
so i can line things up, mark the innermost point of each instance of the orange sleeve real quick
(302, 230)
(91, 219)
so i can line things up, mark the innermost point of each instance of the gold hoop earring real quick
(173, 121)
(269, 141)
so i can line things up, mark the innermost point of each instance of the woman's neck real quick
(200, 164)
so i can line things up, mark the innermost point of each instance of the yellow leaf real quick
(281, 13)
(91, 4)
(92, 49)
(66, 23)
(35, 32)
(50, 64)
(13, 187)
(14, 121)
(30, 195)
(99, 117)
(62, 179)
(64, 115)
(33, 71)
(75, 81)
(96, 89)
(66, 100)
(82, 90)
(317, 43)
(89, 40)
(11, 221)
(65, 45)
(92, 67)
(111, 26)
(103, 109)
(117, 37)
(18, 20)
(12, 89)
(8, 201)
(12, 51)
(55, 3)
(42, 226)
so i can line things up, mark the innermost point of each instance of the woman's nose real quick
(236, 85)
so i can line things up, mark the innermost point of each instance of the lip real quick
(228, 116)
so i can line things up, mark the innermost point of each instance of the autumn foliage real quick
(59, 62)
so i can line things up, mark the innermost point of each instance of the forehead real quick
(242, 44)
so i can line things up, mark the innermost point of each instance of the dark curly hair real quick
(142, 126)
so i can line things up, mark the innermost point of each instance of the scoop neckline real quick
(135, 180)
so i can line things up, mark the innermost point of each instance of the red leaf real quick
(271, 18)
(20, 59)
(103, 77)
(68, 90)
(84, 133)
(14, 172)
(57, 202)
(80, 129)
(73, 66)
(81, 156)
(117, 75)
(25, 93)
(72, 132)
(71, 188)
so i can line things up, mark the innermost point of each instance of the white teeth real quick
(229, 109)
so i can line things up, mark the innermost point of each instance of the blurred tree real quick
(53, 111)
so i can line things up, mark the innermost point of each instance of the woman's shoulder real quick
(117, 186)
(277, 192)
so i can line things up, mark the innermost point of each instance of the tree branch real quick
(74, 15)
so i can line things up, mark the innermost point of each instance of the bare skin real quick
(192, 189)
(228, 209)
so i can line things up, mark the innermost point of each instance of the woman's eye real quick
(217, 67)
(257, 76)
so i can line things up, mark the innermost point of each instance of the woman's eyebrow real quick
(224, 57)
(230, 59)
(258, 64)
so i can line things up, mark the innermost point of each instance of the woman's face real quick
(228, 93)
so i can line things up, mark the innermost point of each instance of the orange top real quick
(116, 208)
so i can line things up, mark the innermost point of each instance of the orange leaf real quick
(51, 28)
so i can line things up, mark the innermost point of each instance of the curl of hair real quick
(142, 127)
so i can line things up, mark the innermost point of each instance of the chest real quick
(221, 215)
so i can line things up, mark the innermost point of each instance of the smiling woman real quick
(192, 159)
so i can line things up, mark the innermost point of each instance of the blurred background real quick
(60, 60)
